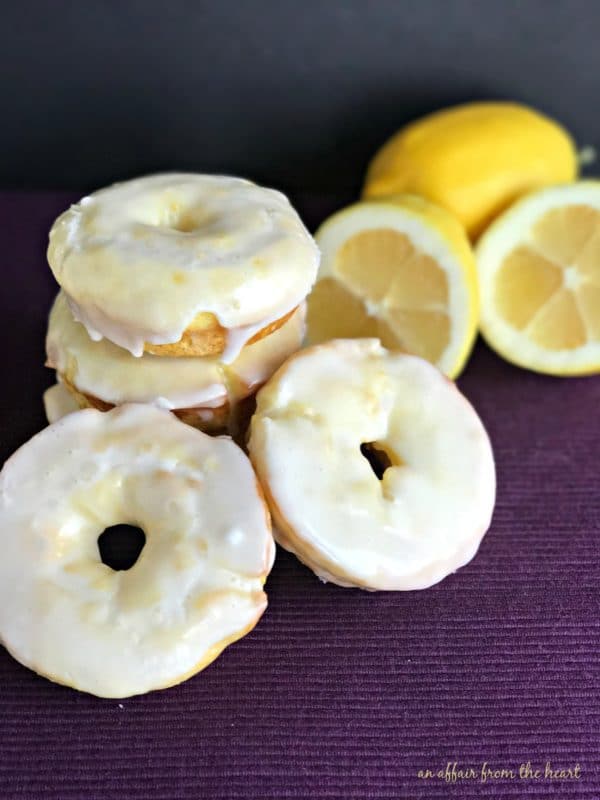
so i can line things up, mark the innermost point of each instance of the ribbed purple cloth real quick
(339, 693)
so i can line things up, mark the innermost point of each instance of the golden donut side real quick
(206, 337)
(210, 420)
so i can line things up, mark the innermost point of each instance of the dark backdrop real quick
(296, 93)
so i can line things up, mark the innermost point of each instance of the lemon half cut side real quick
(539, 272)
(401, 270)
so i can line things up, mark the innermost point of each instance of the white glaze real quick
(258, 361)
(133, 276)
(58, 402)
(197, 584)
(113, 375)
(428, 514)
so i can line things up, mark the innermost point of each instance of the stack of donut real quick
(182, 291)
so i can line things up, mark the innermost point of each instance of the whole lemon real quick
(474, 159)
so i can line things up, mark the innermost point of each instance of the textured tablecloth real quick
(339, 693)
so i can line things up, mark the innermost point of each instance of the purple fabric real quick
(339, 693)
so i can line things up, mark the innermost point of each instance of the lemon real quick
(539, 272)
(474, 159)
(401, 270)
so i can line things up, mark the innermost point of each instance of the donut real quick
(203, 392)
(183, 264)
(378, 472)
(197, 585)
(63, 398)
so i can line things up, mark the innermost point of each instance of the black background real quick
(296, 94)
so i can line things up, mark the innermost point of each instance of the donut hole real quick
(184, 223)
(172, 212)
(380, 457)
(184, 220)
(120, 546)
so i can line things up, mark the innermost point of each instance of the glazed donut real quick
(63, 398)
(202, 391)
(336, 417)
(197, 585)
(183, 264)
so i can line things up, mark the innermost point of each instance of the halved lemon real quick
(539, 272)
(401, 270)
